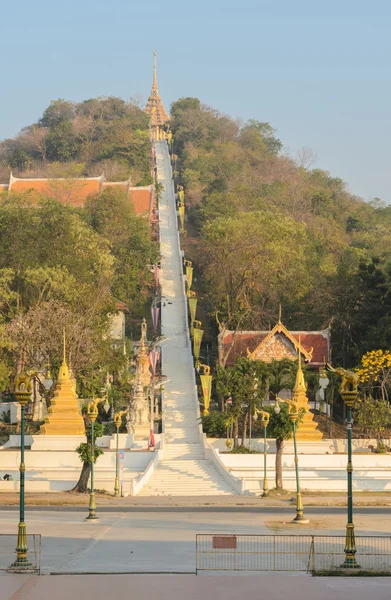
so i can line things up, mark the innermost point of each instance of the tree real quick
(280, 428)
(245, 383)
(281, 374)
(374, 416)
(375, 372)
(248, 271)
(86, 456)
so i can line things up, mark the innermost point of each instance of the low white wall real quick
(137, 484)
(214, 457)
(60, 470)
(326, 446)
(317, 472)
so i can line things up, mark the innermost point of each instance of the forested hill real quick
(98, 136)
(63, 267)
(266, 229)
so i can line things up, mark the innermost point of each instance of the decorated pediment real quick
(279, 344)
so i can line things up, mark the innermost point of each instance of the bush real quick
(243, 450)
(214, 424)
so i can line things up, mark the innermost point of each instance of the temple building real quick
(156, 110)
(279, 343)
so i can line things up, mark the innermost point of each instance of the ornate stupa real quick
(155, 109)
(64, 416)
(308, 429)
(143, 370)
(139, 404)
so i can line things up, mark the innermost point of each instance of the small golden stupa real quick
(307, 430)
(64, 417)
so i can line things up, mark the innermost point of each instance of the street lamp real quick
(117, 423)
(22, 392)
(92, 413)
(349, 392)
(265, 418)
(293, 414)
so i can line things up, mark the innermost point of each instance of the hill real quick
(266, 229)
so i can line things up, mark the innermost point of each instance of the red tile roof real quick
(141, 199)
(76, 191)
(67, 191)
(318, 341)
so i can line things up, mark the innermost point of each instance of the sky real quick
(317, 70)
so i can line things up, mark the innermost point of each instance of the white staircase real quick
(184, 471)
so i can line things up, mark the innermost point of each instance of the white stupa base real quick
(57, 442)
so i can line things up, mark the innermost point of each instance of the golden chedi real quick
(64, 416)
(307, 430)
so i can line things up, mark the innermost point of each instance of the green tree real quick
(280, 428)
(87, 455)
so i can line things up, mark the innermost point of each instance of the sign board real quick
(220, 542)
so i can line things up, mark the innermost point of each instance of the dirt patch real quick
(278, 526)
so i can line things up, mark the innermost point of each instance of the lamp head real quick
(23, 388)
(92, 411)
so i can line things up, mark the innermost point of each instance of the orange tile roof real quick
(76, 191)
(141, 199)
(66, 191)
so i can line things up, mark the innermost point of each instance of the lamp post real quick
(92, 412)
(265, 418)
(117, 423)
(349, 392)
(293, 414)
(23, 390)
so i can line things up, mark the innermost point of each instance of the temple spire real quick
(155, 108)
(64, 346)
(300, 383)
(154, 84)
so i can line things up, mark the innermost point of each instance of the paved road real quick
(135, 541)
(261, 510)
(177, 587)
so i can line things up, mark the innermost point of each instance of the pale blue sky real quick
(317, 70)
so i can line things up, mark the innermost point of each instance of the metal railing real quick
(306, 553)
(8, 554)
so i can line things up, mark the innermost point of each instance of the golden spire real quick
(279, 314)
(64, 417)
(154, 107)
(300, 383)
(154, 84)
(307, 429)
(64, 346)
(64, 371)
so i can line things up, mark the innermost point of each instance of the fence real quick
(307, 553)
(8, 553)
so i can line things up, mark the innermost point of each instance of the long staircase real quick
(184, 471)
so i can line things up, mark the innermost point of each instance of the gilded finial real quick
(154, 67)
(64, 343)
(279, 314)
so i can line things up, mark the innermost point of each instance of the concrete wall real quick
(60, 470)
(326, 446)
(317, 472)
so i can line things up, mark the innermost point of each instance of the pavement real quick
(161, 541)
(177, 587)
(275, 499)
